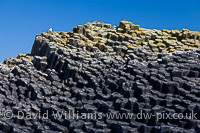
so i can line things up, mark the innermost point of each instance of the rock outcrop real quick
(103, 70)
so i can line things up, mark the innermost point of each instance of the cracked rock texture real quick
(103, 69)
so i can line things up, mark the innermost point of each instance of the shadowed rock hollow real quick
(102, 69)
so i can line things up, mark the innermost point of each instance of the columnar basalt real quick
(103, 69)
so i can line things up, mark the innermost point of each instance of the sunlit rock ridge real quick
(104, 70)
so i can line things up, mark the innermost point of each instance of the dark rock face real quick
(66, 79)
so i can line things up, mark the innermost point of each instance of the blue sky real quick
(21, 20)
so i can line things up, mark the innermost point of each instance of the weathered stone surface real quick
(100, 68)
